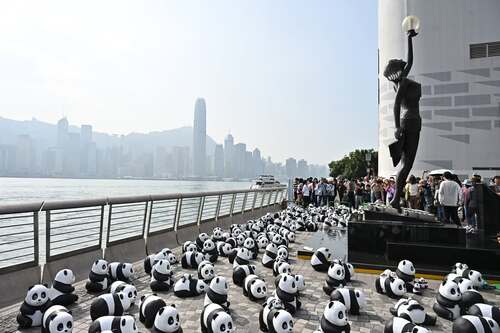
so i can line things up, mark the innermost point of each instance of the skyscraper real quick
(239, 159)
(291, 167)
(199, 138)
(257, 162)
(229, 156)
(62, 132)
(219, 161)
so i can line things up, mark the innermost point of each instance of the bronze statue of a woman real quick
(406, 117)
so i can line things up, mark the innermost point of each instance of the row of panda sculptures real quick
(457, 298)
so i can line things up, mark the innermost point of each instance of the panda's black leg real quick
(430, 320)
(378, 287)
(202, 325)
(262, 325)
(442, 312)
(24, 321)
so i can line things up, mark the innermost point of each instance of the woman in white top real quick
(411, 190)
(306, 194)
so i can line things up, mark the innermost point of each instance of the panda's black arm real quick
(27, 309)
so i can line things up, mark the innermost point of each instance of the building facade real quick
(199, 138)
(457, 62)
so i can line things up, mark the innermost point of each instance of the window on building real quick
(483, 50)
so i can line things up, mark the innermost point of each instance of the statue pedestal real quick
(387, 213)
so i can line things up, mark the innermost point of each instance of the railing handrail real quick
(15, 208)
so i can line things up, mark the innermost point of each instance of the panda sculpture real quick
(279, 321)
(400, 325)
(448, 300)
(214, 319)
(286, 291)
(200, 240)
(121, 271)
(485, 310)
(240, 240)
(150, 305)
(473, 324)
(224, 249)
(254, 288)
(217, 292)
(301, 283)
(411, 310)
(269, 256)
(187, 286)
(271, 303)
(128, 290)
(161, 276)
(459, 267)
(243, 256)
(98, 277)
(321, 259)
(406, 272)
(35, 303)
(115, 324)
(210, 251)
(217, 234)
(334, 279)
(206, 271)
(334, 319)
(189, 246)
(282, 253)
(57, 319)
(281, 267)
(348, 269)
(390, 284)
(475, 277)
(61, 291)
(109, 305)
(191, 259)
(167, 321)
(252, 247)
(241, 272)
(470, 296)
(311, 226)
(262, 242)
(152, 259)
(353, 299)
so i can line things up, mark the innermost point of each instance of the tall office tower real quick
(86, 134)
(219, 161)
(62, 132)
(25, 155)
(239, 160)
(291, 167)
(302, 168)
(457, 62)
(257, 162)
(248, 166)
(181, 161)
(85, 149)
(199, 138)
(229, 156)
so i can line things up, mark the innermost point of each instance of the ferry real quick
(265, 181)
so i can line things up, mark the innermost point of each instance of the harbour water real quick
(38, 189)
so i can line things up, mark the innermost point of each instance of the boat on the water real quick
(265, 181)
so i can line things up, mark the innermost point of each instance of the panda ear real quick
(70, 312)
(65, 272)
(215, 316)
(124, 322)
(330, 304)
(31, 287)
(45, 285)
(121, 296)
(52, 316)
(161, 311)
(172, 305)
(143, 297)
(276, 314)
(217, 280)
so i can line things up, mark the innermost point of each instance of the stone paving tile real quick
(245, 312)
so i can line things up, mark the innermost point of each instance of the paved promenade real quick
(245, 312)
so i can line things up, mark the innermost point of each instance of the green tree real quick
(354, 165)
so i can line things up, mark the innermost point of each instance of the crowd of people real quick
(451, 200)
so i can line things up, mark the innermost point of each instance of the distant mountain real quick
(45, 135)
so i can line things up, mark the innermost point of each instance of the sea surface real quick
(40, 189)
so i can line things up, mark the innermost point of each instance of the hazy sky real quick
(294, 78)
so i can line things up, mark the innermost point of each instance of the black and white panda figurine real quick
(269, 256)
(240, 240)
(109, 305)
(286, 291)
(282, 253)
(254, 288)
(334, 319)
(241, 272)
(98, 277)
(300, 281)
(191, 259)
(217, 234)
(161, 276)
(411, 310)
(150, 305)
(279, 321)
(475, 277)
(470, 296)
(224, 249)
(400, 325)
(243, 256)
(187, 286)
(473, 324)
(271, 303)
(281, 267)
(353, 299)
(335, 278)
(321, 259)
(389, 284)
(262, 242)
(165, 253)
(35, 304)
(448, 300)
(251, 246)
(214, 319)
(348, 269)
(119, 271)
(189, 246)
(167, 321)
(217, 292)
(130, 291)
(406, 272)
(311, 226)
(115, 324)
(200, 240)
(206, 271)
(61, 291)
(57, 319)
(210, 251)
(485, 310)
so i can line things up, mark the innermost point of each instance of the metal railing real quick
(78, 226)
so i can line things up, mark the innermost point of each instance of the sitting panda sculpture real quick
(57, 319)
(411, 310)
(243, 256)
(335, 278)
(271, 303)
(167, 321)
(279, 321)
(241, 272)
(448, 300)
(62, 291)
(35, 304)
(269, 255)
(485, 310)
(161, 276)
(200, 240)
(114, 324)
(286, 291)
(130, 291)
(214, 319)
(389, 284)
(206, 271)
(353, 299)
(210, 251)
(98, 277)
(187, 286)
(254, 288)
(406, 272)
(191, 259)
(334, 319)
(321, 259)
(217, 292)
(150, 305)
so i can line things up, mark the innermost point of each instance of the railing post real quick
(47, 236)
(149, 217)
(219, 202)
(178, 214)
(254, 200)
(244, 202)
(36, 249)
(145, 219)
(270, 196)
(201, 204)
(108, 232)
(232, 204)
(101, 226)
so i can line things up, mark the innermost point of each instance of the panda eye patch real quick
(170, 320)
(452, 291)
(222, 327)
(259, 290)
(130, 295)
(400, 287)
(341, 315)
(43, 295)
(285, 326)
(177, 317)
(34, 296)
(103, 266)
(60, 327)
(69, 324)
